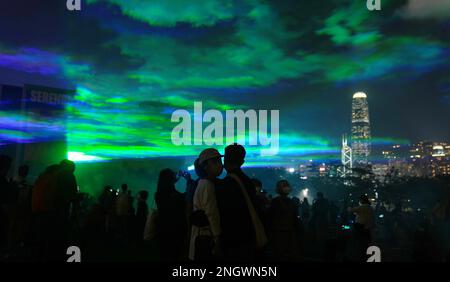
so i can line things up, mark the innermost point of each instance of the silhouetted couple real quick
(232, 229)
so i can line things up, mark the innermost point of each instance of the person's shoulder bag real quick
(261, 237)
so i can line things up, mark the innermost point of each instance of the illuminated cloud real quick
(427, 9)
(31, 60)
(172, 12)
(134, 62)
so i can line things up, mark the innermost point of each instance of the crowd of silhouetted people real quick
(230, 219)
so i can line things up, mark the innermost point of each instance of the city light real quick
(359, 95)
(305, 192)
(191, 168)
(81, 157)
(438, 151)
(291, 170)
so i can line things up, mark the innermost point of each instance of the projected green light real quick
(230, 56)
(81, 157)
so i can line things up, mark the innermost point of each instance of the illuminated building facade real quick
(346, 158)
(360, 130)
(430, 159)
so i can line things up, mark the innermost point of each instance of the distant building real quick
(346, 158)
(380, 170)
(440, 167)
(324, 170)
(447, 150)
(395, 153)
(422, 149)
(430, 159)
(422, 159)
(360, 130)
(306, 170)
(438, 151)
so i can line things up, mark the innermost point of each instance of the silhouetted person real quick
(266, 199)
(364, 223)
(297, 203)
(305, 210)
(21, 181)
(6, 194)
(107, 203)
(238, 218)
(345, 214)
(63, 194)
(67, 189)
(21, 221)
(93, 234)
(424, 249)
(141, 213)
(171, 219)
(123, 202)
(205, 217)
(319, 220)
(131, 203)
(283, 224)
(123, 212)
(261, 201)
(396, 213)
(333, 213)
(43, 210)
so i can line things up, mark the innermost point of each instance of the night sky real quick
(134, 62)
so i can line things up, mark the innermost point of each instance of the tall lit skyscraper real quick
(346, 158)
(360, 130)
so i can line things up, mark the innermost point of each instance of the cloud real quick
(46, 25)
(134, 62)
(172, 12)
(427, 9)
(31, 61)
